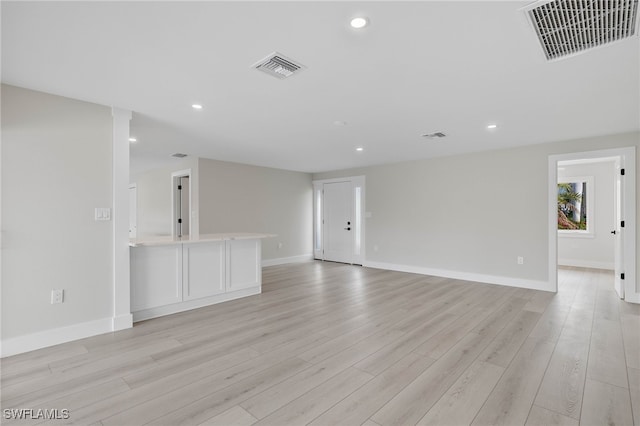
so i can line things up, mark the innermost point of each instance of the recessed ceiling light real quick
(492, 126)
(196, 106)
(359, 22)
(359, 149)
(133, 140)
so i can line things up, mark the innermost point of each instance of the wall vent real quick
(567, 27)
(436, 135)
(278, 65)
(179, 155)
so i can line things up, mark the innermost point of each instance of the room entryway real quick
(594, 215)
(181, 194)
(338, 220)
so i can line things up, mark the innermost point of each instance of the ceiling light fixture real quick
(359, 149)
(196, 106)
(492, 126)
(133, 140)
(340, 123)
(359, 22)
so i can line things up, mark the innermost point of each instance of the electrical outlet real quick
(520, 260)
(57, 296)
(280, 245)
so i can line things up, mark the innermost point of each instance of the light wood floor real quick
(332, 344)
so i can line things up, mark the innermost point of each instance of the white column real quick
(122, 317)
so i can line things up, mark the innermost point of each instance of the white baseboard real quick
(122, 322)
(174, 308)
(467, 276)
(56, 336)
(580, 263)
(285, 260)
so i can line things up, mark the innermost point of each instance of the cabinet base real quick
(174, 308)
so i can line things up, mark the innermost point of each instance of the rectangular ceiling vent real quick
(436, 135)
(179, 155)
(567, 27)
(278, 65)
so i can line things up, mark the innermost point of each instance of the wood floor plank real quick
(631, 338)
(382, 359)
(542, 417)
(75, 401)
(313, 403)
(563, 383)
(234, 416)
(634, 390)
(331, 347)
(441, 342)
(503, 348)
(180, 381)
(539, 301)
(606, 353)
(605, 404)
(412, 403)
(460, 404)
(357, 407)
(435, 350)
(264, 404)
(513, 396)
(196, 403)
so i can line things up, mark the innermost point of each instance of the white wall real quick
(56, 168)
(467, 216)
(242, 198)
(154, 197)
(596, 251)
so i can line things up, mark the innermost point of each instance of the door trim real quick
(174, 199)
(357, 182)
(628, 162)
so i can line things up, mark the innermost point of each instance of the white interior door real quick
(133, 211)
(184, 205)
(338, 222)
(619, 235)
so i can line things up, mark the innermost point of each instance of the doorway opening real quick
(339, 220)
(181, 196)
(133, 211)
(592, 215)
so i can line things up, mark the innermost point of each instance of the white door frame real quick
(175, 176)
(628, 162)
(318, 249)
(133, 207)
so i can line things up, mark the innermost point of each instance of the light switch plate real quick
(103, 213)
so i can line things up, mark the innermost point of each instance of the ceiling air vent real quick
(436, 135)
(278, 66)
(179, 155)
(567, 27)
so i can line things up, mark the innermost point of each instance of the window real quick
(575, 206)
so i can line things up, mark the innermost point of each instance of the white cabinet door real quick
(244, 264)
(156, 274)
(203, 269)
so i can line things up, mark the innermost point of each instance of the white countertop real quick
(168, 240)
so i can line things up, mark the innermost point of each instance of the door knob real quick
(613, 232)
(348, 229)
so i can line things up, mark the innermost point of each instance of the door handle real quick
(347, 229)
(613, 232)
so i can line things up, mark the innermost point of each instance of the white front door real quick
(338, 222)
(619, 235)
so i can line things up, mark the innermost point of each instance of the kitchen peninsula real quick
(170, 275)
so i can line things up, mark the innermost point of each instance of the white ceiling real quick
(419, 67)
